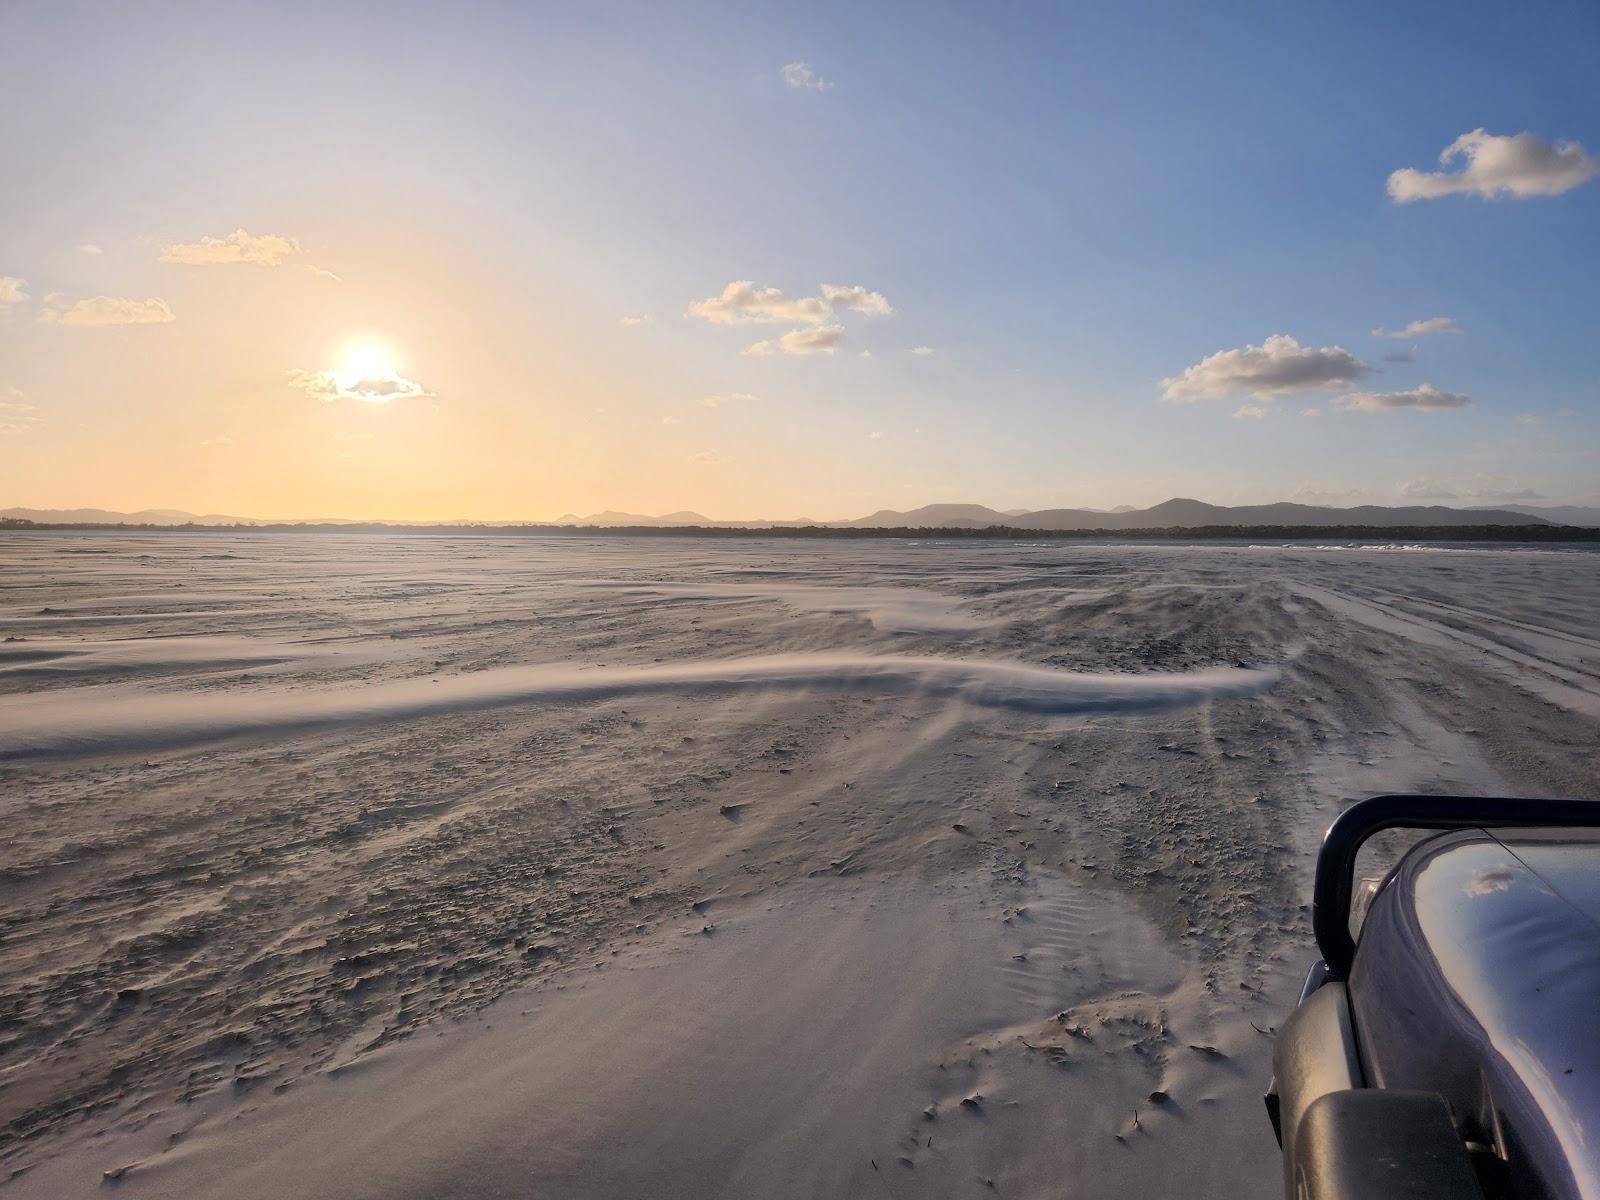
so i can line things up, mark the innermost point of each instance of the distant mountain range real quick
(103, 516)
(1170, 514)
(1192, 514)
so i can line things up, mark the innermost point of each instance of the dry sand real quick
(407, 866)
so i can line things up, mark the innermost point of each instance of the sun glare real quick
(367, 362)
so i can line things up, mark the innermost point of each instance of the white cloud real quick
(857, 299)
(671, 420)
(1278, 366)
(724, 399)
(631, 322)
(710, 458)
(1310, 412)
(801, 77)
(923, 351)
(875, 435)
(240, 246)
(1252, 412)
(89, 248)
(106, 310)
(332, 386)
(742, 303)
(1421, 328)
(11, 290)
(1521, 164)
(821, 340)
(1425, 397)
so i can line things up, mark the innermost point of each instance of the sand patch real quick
(837, 1040)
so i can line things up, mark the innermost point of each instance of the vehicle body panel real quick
(1477, 976)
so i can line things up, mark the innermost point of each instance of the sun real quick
(367, 373)
(366, 362)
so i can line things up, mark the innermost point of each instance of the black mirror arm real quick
(1336, 862)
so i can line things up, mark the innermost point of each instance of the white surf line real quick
(96, 720)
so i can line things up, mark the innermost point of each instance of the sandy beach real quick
(406, 866)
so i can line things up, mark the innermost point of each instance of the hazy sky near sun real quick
(517, 260)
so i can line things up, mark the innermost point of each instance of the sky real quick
(513, 261)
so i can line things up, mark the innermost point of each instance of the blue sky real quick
(1066, 205)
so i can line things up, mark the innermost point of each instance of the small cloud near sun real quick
(104, 310)
(240, 246)
(367, 375)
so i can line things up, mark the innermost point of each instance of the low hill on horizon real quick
(1562, 514)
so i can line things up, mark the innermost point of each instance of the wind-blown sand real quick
(403, 866)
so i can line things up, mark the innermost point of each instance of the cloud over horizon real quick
(1424, 328)
(1425, 397)
(11, 290)
(1425, 489)
(1278, 366)
(1482, 489)
(1521, 164)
